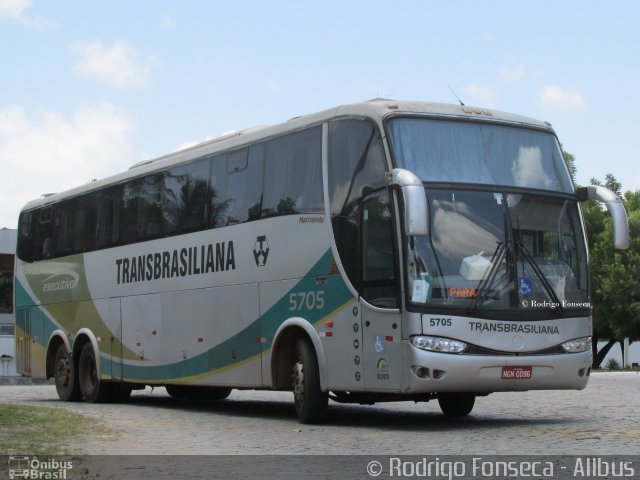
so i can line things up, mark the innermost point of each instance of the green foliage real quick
(570, 160)
(615, 289)
(613, 364)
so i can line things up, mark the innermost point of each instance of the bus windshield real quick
(496, 248)
(488, 250)
(481, 153)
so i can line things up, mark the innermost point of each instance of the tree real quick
(615, 290)
(570, 160)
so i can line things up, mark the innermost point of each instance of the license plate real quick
(517, 373)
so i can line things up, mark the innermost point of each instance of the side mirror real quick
(416, 218)
(615, 208)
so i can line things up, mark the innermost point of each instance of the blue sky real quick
(89, 88)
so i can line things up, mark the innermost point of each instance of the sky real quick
(89, 88)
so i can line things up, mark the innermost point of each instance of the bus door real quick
(381, 326)
(23, 340)
(29, 342)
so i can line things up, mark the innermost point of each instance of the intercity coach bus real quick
(373, 252)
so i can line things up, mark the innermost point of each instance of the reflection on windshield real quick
(528, 169)
(480, 153)
(546, 230)
(490, 250)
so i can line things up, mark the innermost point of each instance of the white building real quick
(7, 323)
(616, 354)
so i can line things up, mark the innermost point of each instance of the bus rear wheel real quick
(457, 404)
(65, 375)
(93, 390)
(311, 402)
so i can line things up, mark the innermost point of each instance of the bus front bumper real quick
(445, 372)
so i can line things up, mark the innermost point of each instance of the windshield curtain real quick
(481, 153)
(497, 251)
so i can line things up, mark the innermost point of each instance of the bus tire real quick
(310, 401)
(66, 377)
(457, 404)
(93, 390)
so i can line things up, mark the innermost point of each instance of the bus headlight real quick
(438, 344)
(578, 345)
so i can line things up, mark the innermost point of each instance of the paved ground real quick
(602, 419)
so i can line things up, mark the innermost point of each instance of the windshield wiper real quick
(487, 282)
(540, 274)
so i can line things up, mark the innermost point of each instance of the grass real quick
(34, 430)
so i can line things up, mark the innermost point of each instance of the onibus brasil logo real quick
(34, 468)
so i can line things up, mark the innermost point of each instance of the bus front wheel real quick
(311, 402)
(66, 377)
(457, 404)
(93, 390)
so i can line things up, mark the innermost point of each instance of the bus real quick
(380, 251)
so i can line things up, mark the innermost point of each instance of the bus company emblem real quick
(261, 250)
(60, 281)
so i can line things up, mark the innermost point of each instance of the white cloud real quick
(13, 8)
(46, 152)
(563, 98)
(16, 10)
(479, 95)
(118, 64)
(511, 73)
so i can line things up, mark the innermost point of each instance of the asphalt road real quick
(603, 419)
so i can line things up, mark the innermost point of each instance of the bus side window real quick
(219, 196)
(379, 286)
(107, 217)
(142, 205)
(186, 195)
(42, 233)
(357, 165)
(236, 186)
(67, 228)
(293, 174)
(25, 237)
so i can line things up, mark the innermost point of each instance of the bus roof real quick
(377, 109)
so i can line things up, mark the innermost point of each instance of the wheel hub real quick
(298, 381)
(63, 373)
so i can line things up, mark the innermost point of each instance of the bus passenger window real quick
(107, 213)
(186, 192)
(236, 187)
(142, 203)
(43, 248)
(293, 174)
(25, 237)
